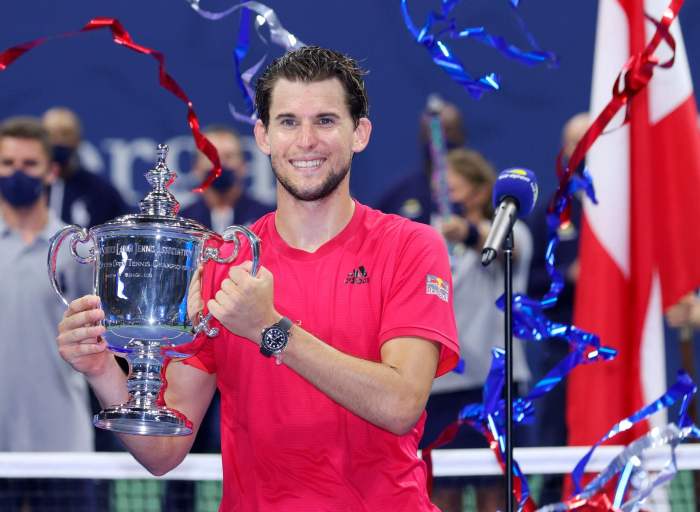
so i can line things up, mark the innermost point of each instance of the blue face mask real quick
(20, 189)
(458, 209)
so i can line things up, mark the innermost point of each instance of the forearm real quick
(375, 391)
(109, 385)
(157, 454)
(390, 394)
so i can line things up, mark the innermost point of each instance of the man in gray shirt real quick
(44, 404)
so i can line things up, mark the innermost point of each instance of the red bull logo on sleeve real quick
(437, 286)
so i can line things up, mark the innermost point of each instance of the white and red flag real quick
(639, 246)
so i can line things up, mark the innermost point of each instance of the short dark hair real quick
(313, 64)
(26, 127)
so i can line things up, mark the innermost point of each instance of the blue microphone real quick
(514, 196)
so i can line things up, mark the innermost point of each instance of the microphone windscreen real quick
(520, 185)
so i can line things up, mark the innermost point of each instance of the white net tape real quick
(539, 461)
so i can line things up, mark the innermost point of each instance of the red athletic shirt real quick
(286, 445)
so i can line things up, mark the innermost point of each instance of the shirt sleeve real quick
(419, 301)
(204, 359)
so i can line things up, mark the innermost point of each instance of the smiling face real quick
(311, 137)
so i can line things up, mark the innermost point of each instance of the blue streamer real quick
(459, 368)
(445, 59)
(278, 35)
(488, 416)
(622, 487)
(529, 320)
(239, 53)
(579, 182)
(683, 389)
(629, 465)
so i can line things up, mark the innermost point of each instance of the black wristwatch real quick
(275, 337)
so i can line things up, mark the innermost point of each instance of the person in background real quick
(550, 421)
(685, 313)
(412, 196)
(78, 196)
(682, 349)
(226, 201)
(44, 404)
(470, 180)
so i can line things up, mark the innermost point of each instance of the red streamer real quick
(448, 435)
(634, 77)
(121, 36)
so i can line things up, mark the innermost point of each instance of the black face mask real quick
(62, 155)
(21, 190)
(458, 209)
(229, 179)
(226, 180)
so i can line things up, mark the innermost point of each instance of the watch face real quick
(275, 339)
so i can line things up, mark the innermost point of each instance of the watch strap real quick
(284, 324)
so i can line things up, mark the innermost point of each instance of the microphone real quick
(514, 196)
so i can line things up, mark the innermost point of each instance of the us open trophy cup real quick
(143, 267)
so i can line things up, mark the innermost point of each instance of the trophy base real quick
(158, 421)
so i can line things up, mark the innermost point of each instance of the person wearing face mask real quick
(412, 196)
(78, 196)
(226, 201)
(44, 404)
(470, 180)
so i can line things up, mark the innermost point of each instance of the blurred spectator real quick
(470, 180)
(44, 403)
(682, 347)
(550, 421)
(412, 196)
(226, 201)
(79, 196)
(686, 313)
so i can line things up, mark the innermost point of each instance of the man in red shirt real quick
(355, 305)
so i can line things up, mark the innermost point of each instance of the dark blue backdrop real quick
(124, 111)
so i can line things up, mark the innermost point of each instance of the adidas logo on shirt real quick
(357, 276)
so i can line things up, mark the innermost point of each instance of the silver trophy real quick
(144, 264)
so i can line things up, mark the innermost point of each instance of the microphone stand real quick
(508, 346)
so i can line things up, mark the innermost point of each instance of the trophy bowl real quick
(143, 267)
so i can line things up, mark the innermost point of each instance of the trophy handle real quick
(212, 253)
(230, 233)
(80, 235)
(203, 325)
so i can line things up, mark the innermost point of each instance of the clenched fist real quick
(245, 304)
